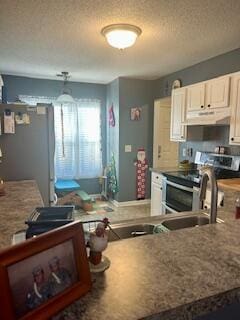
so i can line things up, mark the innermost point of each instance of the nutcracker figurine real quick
(141, 168)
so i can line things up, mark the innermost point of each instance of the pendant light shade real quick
(121, 36)
(65, 96)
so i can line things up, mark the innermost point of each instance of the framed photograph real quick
(43, 275)
(135, 114)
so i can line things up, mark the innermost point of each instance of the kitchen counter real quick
(177, 275)
(20, 200)
(230, 184)
(172, 276)
(162, 169)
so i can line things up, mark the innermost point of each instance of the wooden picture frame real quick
(24, 269)
(135, 114)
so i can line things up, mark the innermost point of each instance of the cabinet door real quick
(234, 137)
(217, 92)
(195, 97)
(178, 131)
(156, 199)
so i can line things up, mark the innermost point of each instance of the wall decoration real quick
(111, 117)
(22, 118)
(141, 169)
(43, 275)
(136, 114)
(176, 84)
(9, 123)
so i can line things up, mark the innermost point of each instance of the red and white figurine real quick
(141, 174)
(98, 242)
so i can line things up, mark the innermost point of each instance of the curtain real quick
(77, 126)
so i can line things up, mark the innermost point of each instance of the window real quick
(77, 137)
(78, 140)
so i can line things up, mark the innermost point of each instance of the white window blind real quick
(78, 140)
(77, 126)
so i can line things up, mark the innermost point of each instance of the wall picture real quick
(136, 114)
(43, 275)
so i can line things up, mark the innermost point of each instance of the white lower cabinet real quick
(156, 194)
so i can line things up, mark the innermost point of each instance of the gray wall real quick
(16, 85)
(134, 93)
(217, 66)
(113, 132)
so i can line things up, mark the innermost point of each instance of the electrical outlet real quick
(189, 152)
(128, 148)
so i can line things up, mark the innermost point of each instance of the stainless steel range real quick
(181, 188)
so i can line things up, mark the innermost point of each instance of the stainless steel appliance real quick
(29, 153)
(180, 191)
(181, 188)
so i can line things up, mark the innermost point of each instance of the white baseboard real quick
(130, 203)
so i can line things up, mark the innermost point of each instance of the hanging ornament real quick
(111, 117)
(141, 169)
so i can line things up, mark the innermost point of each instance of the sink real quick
(129, 231)
(185, 222)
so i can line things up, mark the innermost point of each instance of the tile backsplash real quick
(212, 136)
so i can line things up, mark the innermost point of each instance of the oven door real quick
(177, 198)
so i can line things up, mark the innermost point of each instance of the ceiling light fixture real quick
(121, 36)
(66, 95)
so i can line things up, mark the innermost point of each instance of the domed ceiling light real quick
(121, 36)
(65, 96)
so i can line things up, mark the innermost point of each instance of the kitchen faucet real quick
(208, 174)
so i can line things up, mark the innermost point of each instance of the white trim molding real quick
(130, 203)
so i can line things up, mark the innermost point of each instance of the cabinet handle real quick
(160, 188)
(202, 107)
(209, 105)
(232, 139)
(159, 152)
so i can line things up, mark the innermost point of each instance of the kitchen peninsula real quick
(176, 275)
(21, 198)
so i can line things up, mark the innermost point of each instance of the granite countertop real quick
(172, 276)
(177, 275)
(164, 169)
(21, 198)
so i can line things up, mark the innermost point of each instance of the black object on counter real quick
(44, 219)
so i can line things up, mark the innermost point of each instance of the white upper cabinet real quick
(178, 112)
(234, 137)
(217, 92)
(195, 97)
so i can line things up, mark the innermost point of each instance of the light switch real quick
(128, 148)
(184, 152)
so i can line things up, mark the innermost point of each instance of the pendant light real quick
(66, 95)
(121, 36)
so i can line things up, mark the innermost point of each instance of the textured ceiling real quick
(40, 38)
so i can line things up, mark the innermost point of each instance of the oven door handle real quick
(168, 208)
(178, 186)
